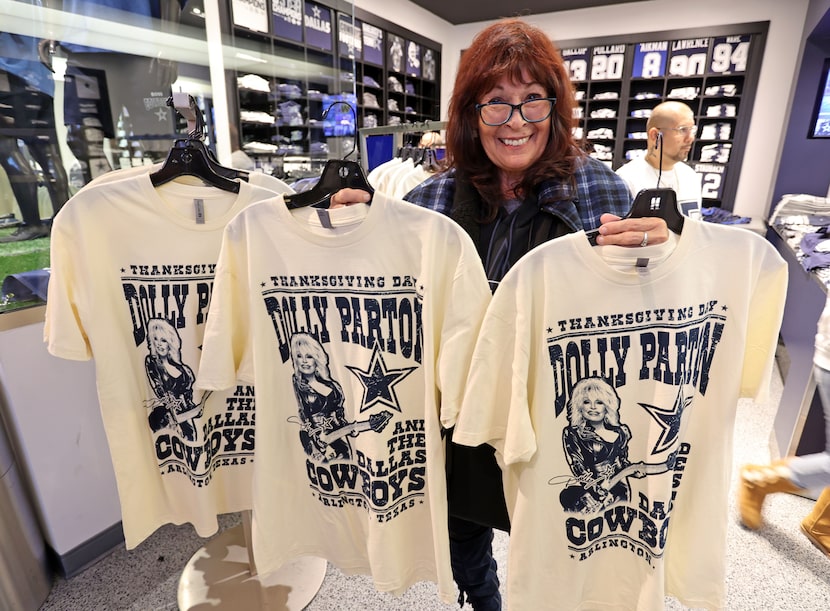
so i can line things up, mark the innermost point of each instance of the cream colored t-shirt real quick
(620, 499)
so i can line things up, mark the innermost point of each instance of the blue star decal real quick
(669, 420)
(378, 382)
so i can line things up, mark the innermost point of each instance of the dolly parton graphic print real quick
(324, 430)
(195, 433)
(171, 380)
(339, 342)
(596, 447)
(608, 379)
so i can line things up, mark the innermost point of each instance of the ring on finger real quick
(645, 239)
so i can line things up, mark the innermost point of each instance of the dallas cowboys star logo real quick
(669, 420)
(379, 381)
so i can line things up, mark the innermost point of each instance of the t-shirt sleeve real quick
(226, 349)
(469, 294)
(496, 408)
(64, 331)
(765, 314)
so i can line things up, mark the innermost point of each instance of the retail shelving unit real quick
(319, 53)
(618, 81)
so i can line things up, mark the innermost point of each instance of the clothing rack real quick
(397, 131)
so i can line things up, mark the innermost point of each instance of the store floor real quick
(774, 569)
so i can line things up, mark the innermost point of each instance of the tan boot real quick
(817, 525)
(757, 481)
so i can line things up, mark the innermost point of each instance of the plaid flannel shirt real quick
(598, 190)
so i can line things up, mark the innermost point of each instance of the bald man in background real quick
(671, 132)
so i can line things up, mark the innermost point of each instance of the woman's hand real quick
(347, 197)
(631, 231)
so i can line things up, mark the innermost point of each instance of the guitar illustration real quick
(376, 423)
(595, 495)
(324, 441)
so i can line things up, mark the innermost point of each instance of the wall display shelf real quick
(618, 82)
(324, 52)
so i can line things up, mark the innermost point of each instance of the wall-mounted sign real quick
(250, 14)
(372, 44)
(349, 37)
(650, 59)
(287, 19)
(394, 53)
(413, 59)
(317, 21)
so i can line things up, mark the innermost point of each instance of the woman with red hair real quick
(515, 178)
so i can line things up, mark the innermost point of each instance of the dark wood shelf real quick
(725, 60)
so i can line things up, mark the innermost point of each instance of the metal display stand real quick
(222, 576)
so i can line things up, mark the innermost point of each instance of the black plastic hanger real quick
(337, 174)
(660, 203)
(190, 156)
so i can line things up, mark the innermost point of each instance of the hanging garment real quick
(607, 378)
(397, 177)
(132, 271)
(357, 324)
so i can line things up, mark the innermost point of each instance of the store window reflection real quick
(70, 111)
(29, 153)
(116, 96)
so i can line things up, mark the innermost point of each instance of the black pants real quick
(473, 565)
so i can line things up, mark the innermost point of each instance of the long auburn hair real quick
(509, 47)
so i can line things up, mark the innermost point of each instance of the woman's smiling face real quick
(516, 145)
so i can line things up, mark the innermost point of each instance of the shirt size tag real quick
(325, 218)
(642, 263)
(199, 209)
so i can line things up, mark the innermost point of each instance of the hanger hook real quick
(189, 110)
(354, 114)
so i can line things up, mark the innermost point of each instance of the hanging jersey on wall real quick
(357, 324)
(130, 286)
(611, 406)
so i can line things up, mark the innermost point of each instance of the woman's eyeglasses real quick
(499, 113)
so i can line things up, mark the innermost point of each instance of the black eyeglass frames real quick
(499, 113)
